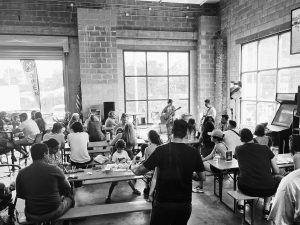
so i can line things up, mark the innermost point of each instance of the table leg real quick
(220, 186)
(234, 180)
(12, 152)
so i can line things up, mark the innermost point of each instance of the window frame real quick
(168, 76)
(257, 71)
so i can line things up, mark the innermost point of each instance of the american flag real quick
(79, 100)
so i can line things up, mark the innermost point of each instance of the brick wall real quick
(96, 29)
(208, 26)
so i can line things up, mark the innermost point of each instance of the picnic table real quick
(101, 174)
(284, 161)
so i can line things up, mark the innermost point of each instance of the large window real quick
(267, 68)
(17, 86)
(151, 78)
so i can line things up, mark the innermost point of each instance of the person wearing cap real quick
(219, 149)
(119, 128)
(176, 162)
(223, 125)
(258, 175)
(261, 137)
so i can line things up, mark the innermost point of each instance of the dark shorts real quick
(65, 205)
(259, 192)
(170, 213)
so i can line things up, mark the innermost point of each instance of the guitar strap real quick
(207, 111)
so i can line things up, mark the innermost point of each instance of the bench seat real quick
(97, 210)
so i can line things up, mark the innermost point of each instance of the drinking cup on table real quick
(73, 168)
(275, 150)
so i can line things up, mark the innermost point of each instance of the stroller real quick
(7, 204)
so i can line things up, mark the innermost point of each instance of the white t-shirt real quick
(29, 128)
(232, 140)
(210, 112)
(286, 205)
(78, 144)
(120, 157)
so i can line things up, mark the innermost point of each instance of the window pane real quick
(178, 87)
(51, 85)
(137, 107)
(178, 63)
(249, 86)
(285, 58)
(265, 112)
(154, 108)
(157, 63)
(248, 116)
(267, 53)
(15, 84)
(249, 57)
(288, 80)
(184, 104)
(135, 63)
(135, 88)
(157, 87)
(266, 85)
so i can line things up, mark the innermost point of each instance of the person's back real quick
(29, 128)
(176, 163)
(255, 165)
(39, 184)
(94, 131)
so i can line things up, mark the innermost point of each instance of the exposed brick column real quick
(98, 56)
(208, 26)
(221, 92)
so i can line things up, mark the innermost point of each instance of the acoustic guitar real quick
(165, 117)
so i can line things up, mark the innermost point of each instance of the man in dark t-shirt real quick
(256, 165)
(176, 163)
(44, 188)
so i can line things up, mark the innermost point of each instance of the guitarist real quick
(169, 113)
(209, 111)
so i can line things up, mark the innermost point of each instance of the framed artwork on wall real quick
(295, 34)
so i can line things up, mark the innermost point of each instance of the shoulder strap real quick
(208, 111)
(235, 132)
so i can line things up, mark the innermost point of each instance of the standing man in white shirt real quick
(232, 137)
(29, 128)
(208, 111)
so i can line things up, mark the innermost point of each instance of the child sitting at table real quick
(54, 155)
(120, 156)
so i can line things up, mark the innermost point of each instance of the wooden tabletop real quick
(224, 165)
(92, 174)
(283, 160)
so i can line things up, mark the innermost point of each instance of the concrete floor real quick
(207, 209)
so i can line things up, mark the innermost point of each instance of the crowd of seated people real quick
(259, 173)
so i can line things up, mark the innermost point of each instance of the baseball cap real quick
(216, 133)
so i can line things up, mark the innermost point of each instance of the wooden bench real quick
(239, 196)
(96, 210)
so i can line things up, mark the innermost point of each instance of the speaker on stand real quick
(108, 106)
